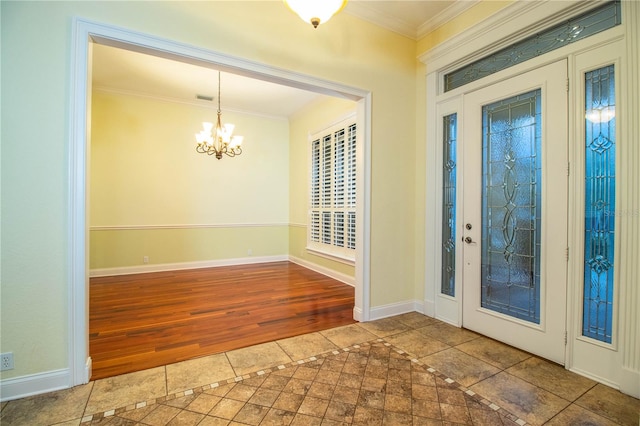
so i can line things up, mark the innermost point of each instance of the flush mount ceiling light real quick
(316, 11)
(220, 140)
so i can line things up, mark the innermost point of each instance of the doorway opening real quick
(85, 34)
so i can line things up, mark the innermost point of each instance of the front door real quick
(514, 211)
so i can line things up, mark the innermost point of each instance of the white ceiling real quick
(136, 73)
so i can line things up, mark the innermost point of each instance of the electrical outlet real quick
(6, 361)
(145, 259)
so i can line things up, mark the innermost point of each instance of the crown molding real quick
(404, 28)
(397, 25)
(197, 103)
(450, 13)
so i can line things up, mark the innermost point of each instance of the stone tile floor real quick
(408, 369)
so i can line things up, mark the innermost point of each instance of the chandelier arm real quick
(231, 153)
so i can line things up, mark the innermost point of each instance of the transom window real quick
(592, 22)
(332, 204)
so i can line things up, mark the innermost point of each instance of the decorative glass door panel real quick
(600, 203)
(511, 176)
(450, 127)
(514, 213)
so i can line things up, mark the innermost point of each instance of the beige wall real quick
(145, 175)
(36, 54)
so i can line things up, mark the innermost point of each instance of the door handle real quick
(468, 240)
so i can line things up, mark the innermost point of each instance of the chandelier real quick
(316, 11)
(220, 140)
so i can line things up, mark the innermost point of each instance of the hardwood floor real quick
(148, 320)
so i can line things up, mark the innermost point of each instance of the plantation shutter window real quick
(332, 201)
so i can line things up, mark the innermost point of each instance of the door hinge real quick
(567, 85)
(565, 338)
(568, 169)
(566, 254)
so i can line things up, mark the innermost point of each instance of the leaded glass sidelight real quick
(450, 127)
(600, 165)
(511, 206)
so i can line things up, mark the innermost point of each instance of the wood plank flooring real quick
(147, 320)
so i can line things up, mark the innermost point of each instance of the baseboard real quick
(630, 382)
(347, 279)
(429, 308)
(393, 309)
(35, 384)
(141, 269)
(357, 314)
(88, 369)
(595, 378)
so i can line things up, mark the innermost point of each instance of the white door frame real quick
(500, 30)
(86, 32)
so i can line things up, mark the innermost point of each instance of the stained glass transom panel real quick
(449, 139)
(600, 188)
(511, 206)
(578, 28)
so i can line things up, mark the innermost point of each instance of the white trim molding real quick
(404, 28)
(347, 279)
(335, 257)
(86, 32)
(186, 226)
(487, 36)
(163, 267)
(34, 384)
(398, 308)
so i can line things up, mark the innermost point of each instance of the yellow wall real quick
(36, 53)
(464, 21)
(125, 248)
(145, 173)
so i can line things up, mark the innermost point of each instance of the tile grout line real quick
(478, 398)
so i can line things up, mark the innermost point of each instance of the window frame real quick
(325, 203)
